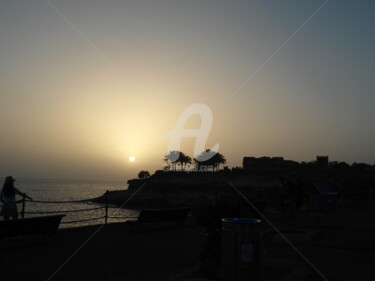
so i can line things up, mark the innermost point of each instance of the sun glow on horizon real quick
(131, 158)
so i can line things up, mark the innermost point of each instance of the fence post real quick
(23, 208)
(106, 207)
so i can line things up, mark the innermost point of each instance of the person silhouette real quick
(8, 197)
(291, 196)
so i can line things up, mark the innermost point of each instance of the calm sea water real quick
(70, 190)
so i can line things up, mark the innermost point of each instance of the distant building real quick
(268, 165)
(322, 161)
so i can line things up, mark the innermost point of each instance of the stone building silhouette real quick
(322, 161)
(268, 165)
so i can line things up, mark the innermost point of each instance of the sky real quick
(86, 84)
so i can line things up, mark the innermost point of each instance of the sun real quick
(131, 158)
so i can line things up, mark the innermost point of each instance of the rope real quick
(20, 201)
(122, 217)
(97, 218)
(65, 211)
(59, 202)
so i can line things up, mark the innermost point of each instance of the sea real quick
(52, 190)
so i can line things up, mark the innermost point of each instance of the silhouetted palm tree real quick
(204, 159)
(209, 158)
(185, 159)
(173, 158)
(143, 175)
(217, 160)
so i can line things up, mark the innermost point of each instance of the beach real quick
(113, 253)
(340, 251)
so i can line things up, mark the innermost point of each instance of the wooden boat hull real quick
(27, 226)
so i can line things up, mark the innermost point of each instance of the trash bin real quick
(240, 249)
(317, 203)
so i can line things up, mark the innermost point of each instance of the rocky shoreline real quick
(183, 191)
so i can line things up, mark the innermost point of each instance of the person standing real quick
(8, 197)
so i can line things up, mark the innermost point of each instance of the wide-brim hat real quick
(9, 178)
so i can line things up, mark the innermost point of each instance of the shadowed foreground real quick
(339, 252)
(113, 254)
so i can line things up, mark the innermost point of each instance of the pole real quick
(23, 208)
(106, 207)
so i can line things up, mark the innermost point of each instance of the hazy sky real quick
(86, 84)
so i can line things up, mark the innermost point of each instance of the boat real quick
(37, 225)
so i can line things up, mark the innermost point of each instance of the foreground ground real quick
(340, 248)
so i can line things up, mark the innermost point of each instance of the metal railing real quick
(105, 207)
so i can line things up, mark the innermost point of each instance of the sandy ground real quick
(114, 253)
(334, 251)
